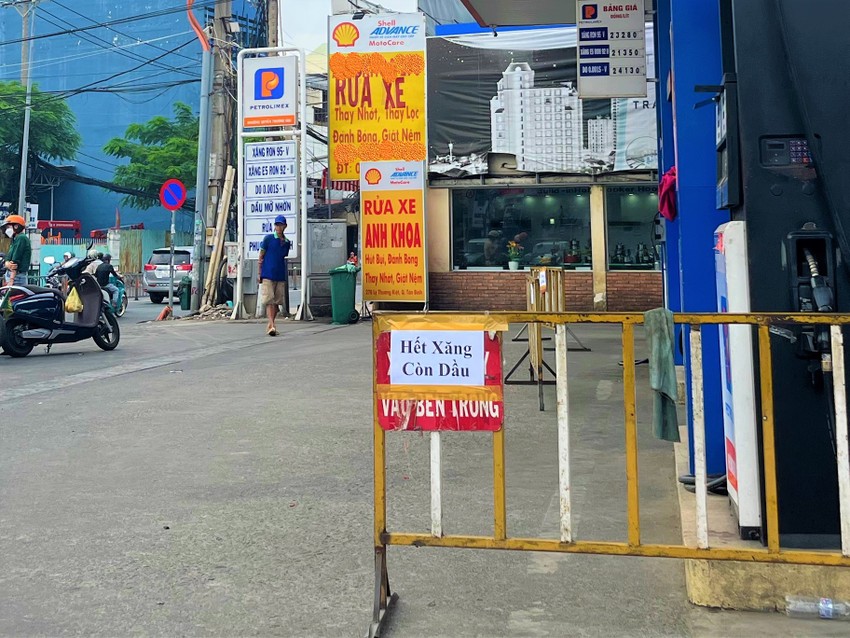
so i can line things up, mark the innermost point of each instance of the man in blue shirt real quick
(273, 253)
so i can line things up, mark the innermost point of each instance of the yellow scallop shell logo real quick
(373, 176)
(345, 34)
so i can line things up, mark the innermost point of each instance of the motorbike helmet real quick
(107, 257)
(67, 256)
(92, 254)
(14, 220)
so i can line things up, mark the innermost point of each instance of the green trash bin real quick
(185, 293)
(343, 289)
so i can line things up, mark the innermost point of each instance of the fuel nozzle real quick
(822, 295)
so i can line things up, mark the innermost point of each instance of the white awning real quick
(510, 13)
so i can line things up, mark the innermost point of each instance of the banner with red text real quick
(463, 415)
(392, 222)
(376, 90)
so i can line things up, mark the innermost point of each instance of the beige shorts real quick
(272, 292)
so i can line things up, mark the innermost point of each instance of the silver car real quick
(158, 267)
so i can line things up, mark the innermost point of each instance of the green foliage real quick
(53, 134)
(158, 150)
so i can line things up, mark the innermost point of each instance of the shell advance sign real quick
(377, 91)
(392, 220)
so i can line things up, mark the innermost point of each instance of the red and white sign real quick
(430, 415)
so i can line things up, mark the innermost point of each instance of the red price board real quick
(442, 414)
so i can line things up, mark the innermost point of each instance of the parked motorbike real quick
(32, 315)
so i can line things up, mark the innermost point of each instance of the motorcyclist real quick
(96, 260)
(20, 252)
(104, 270)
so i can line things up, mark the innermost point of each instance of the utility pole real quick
(272, 13)
(222, 108)
(26, 8)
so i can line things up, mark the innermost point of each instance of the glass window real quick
(552, 225)
(631, 213)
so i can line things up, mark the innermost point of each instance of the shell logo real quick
(373, 176)
(345, 34)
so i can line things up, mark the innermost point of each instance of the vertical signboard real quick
(376, 91)
(392, 221)
(270, 184)
(269, 94)
(611, 49)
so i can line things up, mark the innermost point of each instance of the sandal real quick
(272, 332)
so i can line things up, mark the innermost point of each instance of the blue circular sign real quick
(172, 195)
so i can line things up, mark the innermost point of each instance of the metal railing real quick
(633, 545)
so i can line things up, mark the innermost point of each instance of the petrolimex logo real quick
(590, 12)
(345, 35)
(373, 176)
(268, 84)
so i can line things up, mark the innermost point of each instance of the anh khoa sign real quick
(376, 90)
(392, 220)
(434, 380)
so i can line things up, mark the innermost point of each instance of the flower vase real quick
(513, 264)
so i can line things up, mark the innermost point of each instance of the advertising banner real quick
(392, 220)
(271, 188)
(376, 91)
(513, 102)
(440, 358)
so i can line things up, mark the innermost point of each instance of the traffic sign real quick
(172, 195)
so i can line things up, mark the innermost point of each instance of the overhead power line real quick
(83, 88)
(107, 46)
(121, 33)
(118, 21)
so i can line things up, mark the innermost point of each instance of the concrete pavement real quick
(214, 481)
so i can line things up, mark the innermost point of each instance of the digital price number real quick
(626, 53)
(625, 35)
(627, 70)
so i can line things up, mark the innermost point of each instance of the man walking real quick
(273, 253)
(20, 252)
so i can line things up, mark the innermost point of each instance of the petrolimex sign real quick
(269, 92)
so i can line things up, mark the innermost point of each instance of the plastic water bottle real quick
(808, 607)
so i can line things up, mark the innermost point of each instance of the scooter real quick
(119, 304)
(32, 315)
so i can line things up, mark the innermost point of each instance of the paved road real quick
(205, 479)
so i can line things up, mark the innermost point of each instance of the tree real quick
(53, 133)
(158, 150)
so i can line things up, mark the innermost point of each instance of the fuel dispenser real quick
(783, 149)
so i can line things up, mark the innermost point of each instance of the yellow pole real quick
(380, 449)
(768, 439)
(629, 405)
(499, 510)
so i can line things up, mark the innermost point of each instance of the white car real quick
(157, 270)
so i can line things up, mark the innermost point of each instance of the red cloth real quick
(667, 205)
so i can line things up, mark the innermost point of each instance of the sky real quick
(305, 22)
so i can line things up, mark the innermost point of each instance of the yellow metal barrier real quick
(633, 546)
